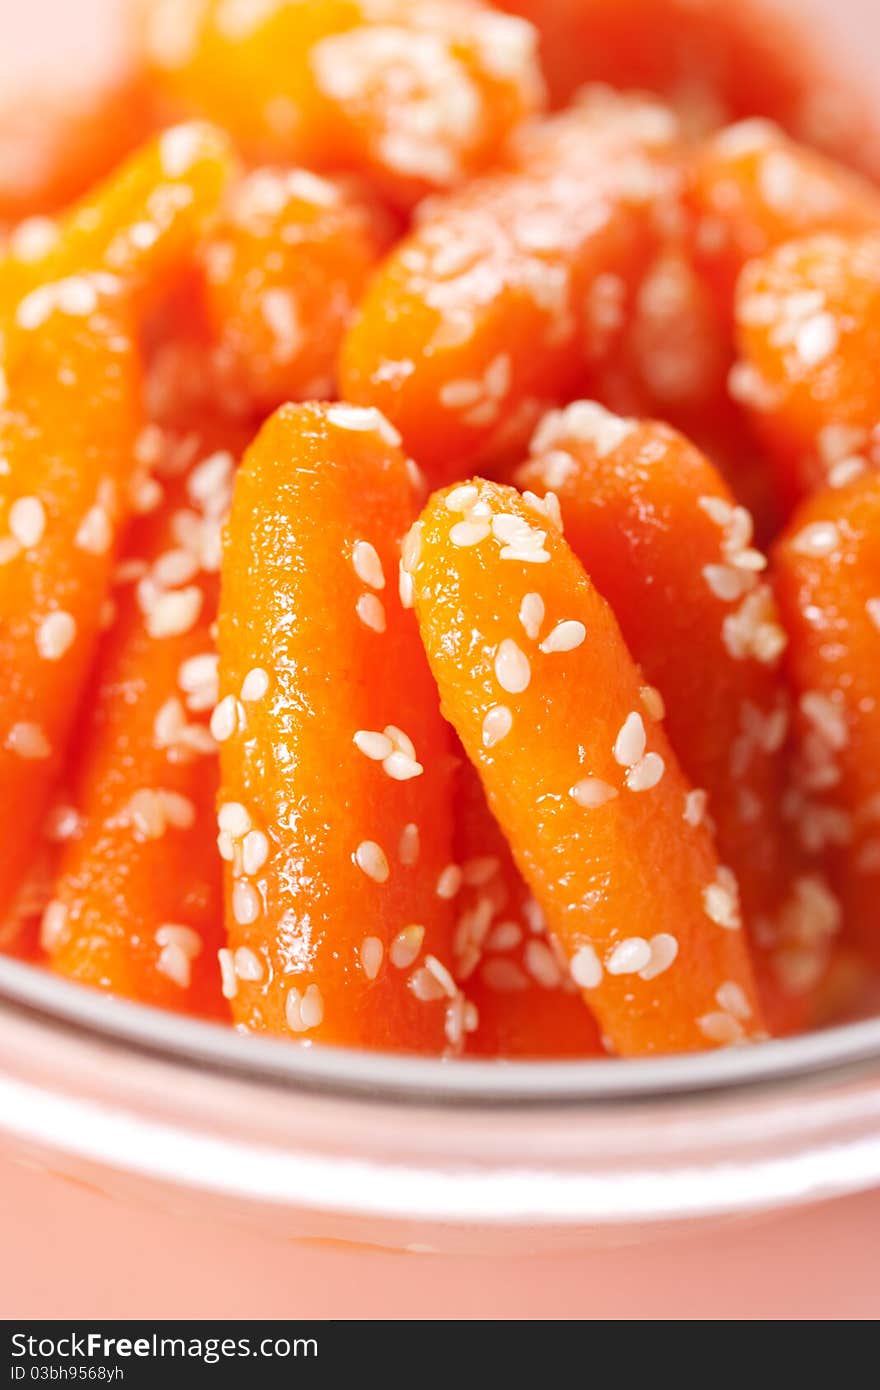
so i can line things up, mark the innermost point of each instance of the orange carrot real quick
(535, 677)
(418, 95)
(498, 302)
(827, 567)
(136, 907)
(518, 981)
(68, 425)
(672, 553)
(808, 321)
(335, 813)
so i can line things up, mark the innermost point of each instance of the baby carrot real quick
(672, 553)
(136, 907)
(535, 677)
(68, 424)
(140, 224)
(417, 94)
(808, 322)
(335, 811)
(283, 270)
(827, 569)
(527, 1004)
(494, 305)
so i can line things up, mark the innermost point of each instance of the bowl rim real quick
(66, 1006)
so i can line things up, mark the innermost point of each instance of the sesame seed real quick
(234, 819)
(512, 669)
(695, 804)
(56, 635)
(406, 946)
(646, 773)
(246, 903)
(405, 587)
(441, 975)
(225, 718)
(541, 963)
(197, 678)
(174, 964)
(254, 851)
(449, 881)
(565, 637)
(467, 533)
(726, 582)
(664, 950)
(367, 565)
(408, 848)
(357, 417)
(652, 702)
(370, 859)
(461, 499)
(27, 521)
(371, 612)
(816, 339)
(255, 684)
(497, 724)
(721, 1028)
(629, 746)
(411, 550)
(248, 966)
(721, 901)
(817, 539)
(732, 998)
(531, 615)
(426, 988)
(872, 608)
(371, 954)
(506, 936)
(228, 974)
(28, 741)
(400, 767)
(586, 968)
(590, 792)
(373, 745)
(95, 532)
(172, 614)
(53, 925)
(179, 148)
(629, 956)
(503, 976)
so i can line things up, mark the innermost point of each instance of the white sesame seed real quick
(27, 521)
(370, 859)
(179, 148)
(449, 881)
(586, 968)
(720, 1028)
(506, 936)
(541, 963)
(590, 792)
(95, 532)
(406, 946)
(400, 767)
(461, 499)
(225, 718)
(54, 925)
(721, 901)
(565, 637)
(28, 741)
(629, 746)
(629, 956)
(371, 612)
(56, 635)
(373, 745)
(174, 964)
(726, 582)
(254, 851)
(367, 565)
(425, 987)
(246, 903)
(531, 615)
(234, 819)
(409, 846)
(497, 724)
(512, 669)
(732, 998)
(371, 954)
(178, 811)
(695, 804)
(646, 773)
(248, 966)
(652, 702)
(171, 614)
(872, 608)
(816, 339)
(405, 587)
(255, 684)
(819, 538)
(664, 950)
(228, 974)
(356, 417)
(441, 975)
(467, 533)
(173, 933)
(411, 550)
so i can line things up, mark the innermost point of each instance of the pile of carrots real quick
(440, 529)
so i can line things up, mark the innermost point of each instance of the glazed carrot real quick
(808, 322)
(672, 553)
(68, 424)
(136, 906)
(715, 62)
(140, 224)
(753, 188)
(827, 568)
(535, 677)
(283, 270)
(526, 1001)
(335, 811)
(496, 304)
(418, 95)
